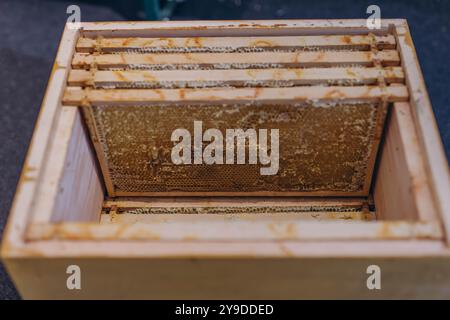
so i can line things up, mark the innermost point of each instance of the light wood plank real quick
(130, 218)
(202, 78)
(436, 164)
(236, 231)
(258, 270)
(235, 208)
(291, 59)
(233, 43)
(128, 203)
(401, 189)
(297, 94)
(94, 136)
(243, 194)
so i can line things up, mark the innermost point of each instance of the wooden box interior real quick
(399, 191)
(399, 194)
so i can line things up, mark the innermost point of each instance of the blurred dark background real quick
(30, 31)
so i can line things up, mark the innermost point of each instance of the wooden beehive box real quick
(362, 178)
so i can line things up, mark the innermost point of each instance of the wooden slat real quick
(234, 77)
(236, 28)
(234, 43)
(170, 217)
(133, 203)
(291, 59)
(296, 94)
(232, 230)
(33, 201)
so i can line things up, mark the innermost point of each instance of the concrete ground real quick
(30, 31)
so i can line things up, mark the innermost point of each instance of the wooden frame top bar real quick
(234, 43)
(211, 28)
(235, 77)
(233, 95)
(294, 59)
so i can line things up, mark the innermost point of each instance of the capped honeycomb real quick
(316, 143)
